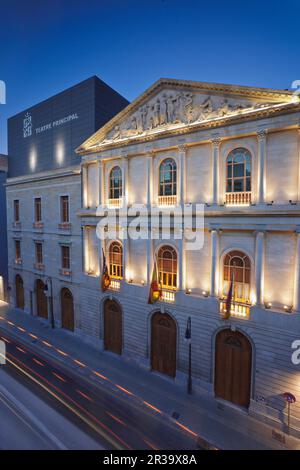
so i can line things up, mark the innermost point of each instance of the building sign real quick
(27, 124)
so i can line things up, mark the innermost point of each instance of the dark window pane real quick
(238, 185)
(229, 186)
(248, 184)
(238, 170)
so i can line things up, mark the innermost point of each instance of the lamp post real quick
(46, 290)
(188, 337)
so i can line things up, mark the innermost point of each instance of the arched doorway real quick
(19, 292)
(67, 309)
(233, 362)
(41, 299)
(113, 337)
(163, 344)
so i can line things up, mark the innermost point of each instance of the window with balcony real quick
(16, 211)
(65, 260)
(167, 267)
(18, 257)
(237, 269)
(167, 195)
(238, 177)
(115, 187)
(39, 255)
(64, 212)
(37, 213)
(116, 260)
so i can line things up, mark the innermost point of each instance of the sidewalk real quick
(224, 428)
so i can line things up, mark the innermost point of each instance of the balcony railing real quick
(238, 309)
(16, 224)
(38, 225)
(65, 272)
(39, 266)
(64, 226)
(243, 197)
(18, 261)
(168, 295)
(114, 203)
(115, 284)
(165, 201)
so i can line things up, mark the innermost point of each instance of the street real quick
(82, 415)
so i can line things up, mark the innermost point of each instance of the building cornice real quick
(45, 175)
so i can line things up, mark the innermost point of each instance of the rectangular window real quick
(64, 209)
(65, 257)
(39, 253)
(37, 209)
(16, 210)
(17, 251)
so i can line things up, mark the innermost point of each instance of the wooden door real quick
(163, 344)
(41, 299)
(19, 292)
(233, 367)
(67, 309)
(113, 337)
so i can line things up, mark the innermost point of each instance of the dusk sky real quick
(49, 46)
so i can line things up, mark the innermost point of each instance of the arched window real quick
(168, 178)
(116, 260)
(167, 267)
(115, 183)
(237, 266)
(238, 171)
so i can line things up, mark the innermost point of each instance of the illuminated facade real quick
(237, 151)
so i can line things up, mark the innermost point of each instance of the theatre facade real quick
(236, 151)
(232, 152)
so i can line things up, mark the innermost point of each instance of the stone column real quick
(149, 180)
(101, 199)
(182, 158)
(181, 264)
(84, 170)
(150, 257)
(259, 266)
(86, 248)
(297, 274)
(214, 290)
(126, 257)
(125, 181)
(261, 138)
(298, 164)
(215, 170)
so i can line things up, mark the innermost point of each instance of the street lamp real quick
(46, 289)
(188, 337)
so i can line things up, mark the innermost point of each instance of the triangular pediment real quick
(171, 105)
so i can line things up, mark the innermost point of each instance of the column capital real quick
(182, 148)
(261, 134)
(216, 142)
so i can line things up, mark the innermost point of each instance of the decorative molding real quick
(216, 142)
(261, 134)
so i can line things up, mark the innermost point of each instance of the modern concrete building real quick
(3, 230)
(44, 193)
(236, 150)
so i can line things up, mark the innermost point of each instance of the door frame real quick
(18, 276)
(61, 309)
(213, 363)
(149, 335)
(36, 299)
(102, 314)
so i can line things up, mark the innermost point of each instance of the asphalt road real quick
(108, 420)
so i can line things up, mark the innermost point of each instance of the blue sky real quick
(48, 46)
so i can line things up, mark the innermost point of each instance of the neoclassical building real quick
(236, 151)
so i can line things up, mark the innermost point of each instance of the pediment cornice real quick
(171, 107)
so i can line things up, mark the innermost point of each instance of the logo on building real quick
(27, 125)
(2, 353)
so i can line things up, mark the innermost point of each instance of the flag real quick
(229, 298)
(105, 279)
(155, 289)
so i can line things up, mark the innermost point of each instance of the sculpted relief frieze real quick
(172, 109)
